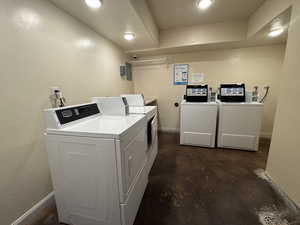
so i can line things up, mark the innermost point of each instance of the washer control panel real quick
(75, 113)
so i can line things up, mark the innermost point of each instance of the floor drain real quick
(271, 218)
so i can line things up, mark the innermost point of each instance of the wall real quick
(254, 66)
(204, 34)
(283, 163)
(41, 46)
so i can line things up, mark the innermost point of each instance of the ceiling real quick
(113, 19)
(179, 13)
(210, 29)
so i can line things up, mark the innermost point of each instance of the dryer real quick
(97, 164)
(136, 106)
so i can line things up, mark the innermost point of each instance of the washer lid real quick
(102, 126)
(149, 111)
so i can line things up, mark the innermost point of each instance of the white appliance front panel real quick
(198, 124)
(135, 157)
(84, 174)
(239, 141)
(198, 139)
(130, 208)
(152, 154)
(131, 156)
(239, 126)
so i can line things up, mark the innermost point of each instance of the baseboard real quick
(36, 212)
(265, 135)
(168, 130)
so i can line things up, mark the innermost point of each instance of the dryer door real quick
(134, 158)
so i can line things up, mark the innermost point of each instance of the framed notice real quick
(181, 74)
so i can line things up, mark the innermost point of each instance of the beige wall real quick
(203, 34)
(284, 158)
(41, 46)
(254, 66)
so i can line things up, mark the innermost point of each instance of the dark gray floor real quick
(199, 186)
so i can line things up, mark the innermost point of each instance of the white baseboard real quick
(35, 213)
(169, 130)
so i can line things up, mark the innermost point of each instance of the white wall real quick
(253, 66)
(284, 158)
(41, 46)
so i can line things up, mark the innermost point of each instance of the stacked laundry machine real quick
(232, 120)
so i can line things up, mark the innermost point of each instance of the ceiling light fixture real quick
(94, 4)
(276, 32)
(129, 36)
(276, 28)
(204, 4)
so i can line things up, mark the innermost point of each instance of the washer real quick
(198, 123)
(136, 106)
(97, 163)
(239, 125)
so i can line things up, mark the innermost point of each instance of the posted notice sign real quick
(181, 74)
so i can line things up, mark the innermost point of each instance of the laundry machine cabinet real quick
(198, 123)
(239, 125)
(136, 106)
(97, 164)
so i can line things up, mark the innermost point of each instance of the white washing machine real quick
(136, 106)
(239, 125)
(198, 123)
(97, 163)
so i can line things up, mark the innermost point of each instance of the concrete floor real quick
(199, 186)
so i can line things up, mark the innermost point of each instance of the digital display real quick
(232, 91)
(197, 92)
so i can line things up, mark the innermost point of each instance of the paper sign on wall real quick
(181, 72)
(197, 78)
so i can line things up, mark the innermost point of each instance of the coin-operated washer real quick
(198, 117)
(239, 121)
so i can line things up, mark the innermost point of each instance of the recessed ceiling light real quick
(95, 4)
(276, 32)
(276, 28)
(204, 4)
(129, 36)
